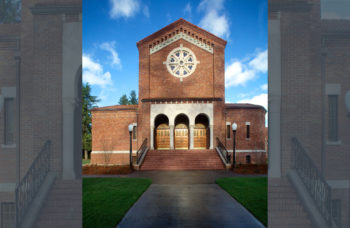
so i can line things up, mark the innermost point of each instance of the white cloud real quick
(110, 47)
(188, 8)
(261, 99)
(146, 11)
(214, 19)
(260, 62)
(258, 100)
(124, 8)
(168, 17)
(241, 71)
(263, 87)
(94, 74)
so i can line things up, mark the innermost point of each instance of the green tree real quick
(133, 99)
(89, 102)
(123, 100)
(10, 12)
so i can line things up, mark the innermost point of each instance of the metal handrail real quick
(316, 185)
(223, 151)
(30, 184)
(143, 148)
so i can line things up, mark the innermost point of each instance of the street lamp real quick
(234, 128)
(130, 132)
(347, 101)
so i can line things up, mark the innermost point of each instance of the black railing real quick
(30, 184)
(143, 148)
(314, 182)
(223, 151)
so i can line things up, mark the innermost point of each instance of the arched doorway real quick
(162, 132)
(181, 132)
(201, 132)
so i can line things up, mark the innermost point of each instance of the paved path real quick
(186, 199)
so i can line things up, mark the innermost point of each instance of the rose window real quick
(181, 62)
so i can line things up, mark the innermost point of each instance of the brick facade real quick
(32, 57)
(158, 89)
(312, 48)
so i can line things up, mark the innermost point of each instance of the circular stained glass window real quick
(181, 62)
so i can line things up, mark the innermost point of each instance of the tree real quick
(123, 100)
(133, 99)
(89, 102)
(10, 12)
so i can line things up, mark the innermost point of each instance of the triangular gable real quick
(181, 29)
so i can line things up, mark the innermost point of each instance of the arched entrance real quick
(181, 132)
(201, 135)
(162, 132)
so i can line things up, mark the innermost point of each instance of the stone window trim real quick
(181, 62)
(333, 143)
(333, 90)
(6, 92)
(228, 130)
(134, 135)
(247, 124)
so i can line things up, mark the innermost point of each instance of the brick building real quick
(181, 106)
(40, 114)
(309, 46)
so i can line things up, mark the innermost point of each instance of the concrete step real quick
(63, 206)
(182, 160)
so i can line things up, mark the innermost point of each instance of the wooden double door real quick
(163, 139)
(181, 138)
(200, 139)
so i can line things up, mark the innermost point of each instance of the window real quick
(248, 131)
(228, 130)
(247, 158)
(9, 121)
(335, 9)
(134, 132)
(7, 214)
(333, 118)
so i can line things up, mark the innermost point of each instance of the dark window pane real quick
(332, 117)
(228, 130)
(134, 132)
(9, 121)
(248, 131)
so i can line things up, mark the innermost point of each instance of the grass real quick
(106, 200)
(251, 192)
(86, 161)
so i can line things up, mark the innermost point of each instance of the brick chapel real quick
(181, 114)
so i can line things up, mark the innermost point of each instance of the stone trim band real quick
(184, 36)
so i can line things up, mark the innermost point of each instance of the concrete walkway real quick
(186, 199)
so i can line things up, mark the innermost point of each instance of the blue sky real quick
(111, 29)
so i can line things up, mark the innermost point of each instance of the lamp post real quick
(347, 101)
(234, 128)
(130, 132)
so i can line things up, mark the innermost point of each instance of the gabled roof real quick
(115, 108)
(243, 106)
(178, 23)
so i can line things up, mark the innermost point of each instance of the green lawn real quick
(106, 200)
(251, 192)
(86, 161)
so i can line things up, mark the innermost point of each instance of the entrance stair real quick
(63, 206)
(199, 159)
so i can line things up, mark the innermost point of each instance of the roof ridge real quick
(175, 24)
